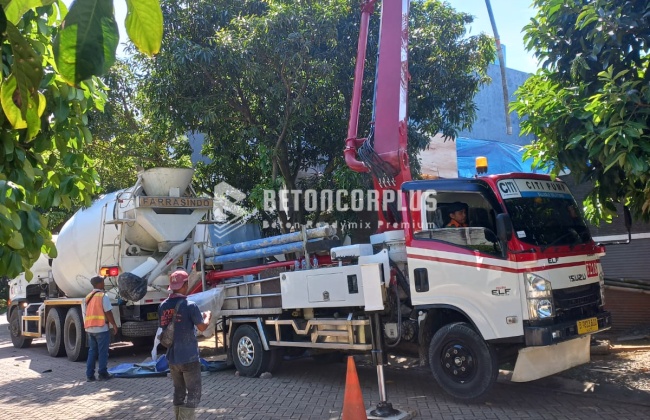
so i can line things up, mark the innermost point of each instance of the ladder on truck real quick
(32, 320)
(115, 245)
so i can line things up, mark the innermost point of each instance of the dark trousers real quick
(187, 383)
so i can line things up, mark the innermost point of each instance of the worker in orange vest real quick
(457, 214)
(96, 319)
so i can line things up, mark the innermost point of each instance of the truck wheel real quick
(54, 332)
(249, 356)
(74, 336)
(19, 341)
(462, 363)
(277, 356)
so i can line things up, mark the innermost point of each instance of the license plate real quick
(152, 316)
(587, 325)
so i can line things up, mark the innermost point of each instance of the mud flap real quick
(538, 362)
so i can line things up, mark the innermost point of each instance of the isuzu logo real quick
(577, 277)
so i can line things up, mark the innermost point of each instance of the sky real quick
(510, 16)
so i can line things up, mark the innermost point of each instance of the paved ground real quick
(37, 386)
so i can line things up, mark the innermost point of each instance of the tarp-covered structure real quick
(502, 157)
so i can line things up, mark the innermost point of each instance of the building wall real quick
(490, 123)
(629, 308)
(628, 261)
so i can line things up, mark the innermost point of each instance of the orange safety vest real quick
(95, 310)
(454, 223)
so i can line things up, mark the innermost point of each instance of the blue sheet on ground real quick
(159, 368)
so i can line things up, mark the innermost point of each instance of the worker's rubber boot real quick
(177, 412)
(186, 413)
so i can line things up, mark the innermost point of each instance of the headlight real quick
(540, 308)
(537, 287)
(539, 295)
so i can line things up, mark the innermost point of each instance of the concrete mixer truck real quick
(133, 237)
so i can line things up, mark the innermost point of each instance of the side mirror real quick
(504, 227)
(504, 232)
(628, 218)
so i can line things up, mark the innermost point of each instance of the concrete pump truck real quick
(521, 283)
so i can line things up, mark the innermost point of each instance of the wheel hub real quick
(245, 351)
(458, 362)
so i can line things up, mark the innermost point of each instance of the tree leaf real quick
(29, 169)
(144, 25)
(33, 222)
(26, 67)
(17, 8)
(13, 112)
(3, 23)
(87, 42)
(16, 241)
(14, 264)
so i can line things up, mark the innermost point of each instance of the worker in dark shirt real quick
(457, 214)
(183, 354)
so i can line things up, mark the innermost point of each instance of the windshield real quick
(543, 213)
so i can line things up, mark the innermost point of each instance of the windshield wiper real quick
(571, 232)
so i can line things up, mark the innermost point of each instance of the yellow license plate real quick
(152, 316)
(587, 325)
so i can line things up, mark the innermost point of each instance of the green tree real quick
(48, 85)
(589, 104)
(269, 84)
(124, 139)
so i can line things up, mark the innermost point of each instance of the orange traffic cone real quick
(353, 406)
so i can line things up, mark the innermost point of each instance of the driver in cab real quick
(458, 215)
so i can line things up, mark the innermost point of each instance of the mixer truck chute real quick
(133, 237)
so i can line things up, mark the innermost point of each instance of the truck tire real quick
(135, 329)
(277, 356)
(54, 332)
(74, 336)
(19, 341)
(462, 363)
(249, 356)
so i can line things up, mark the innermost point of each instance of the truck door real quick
(460, 264)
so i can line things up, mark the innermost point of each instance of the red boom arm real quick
(383, 154)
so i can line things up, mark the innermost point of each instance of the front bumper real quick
(541, 361)
(556, 333)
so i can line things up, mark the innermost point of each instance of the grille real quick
(576, 302)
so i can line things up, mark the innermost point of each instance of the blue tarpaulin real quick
(159, 368)
(502, 157)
